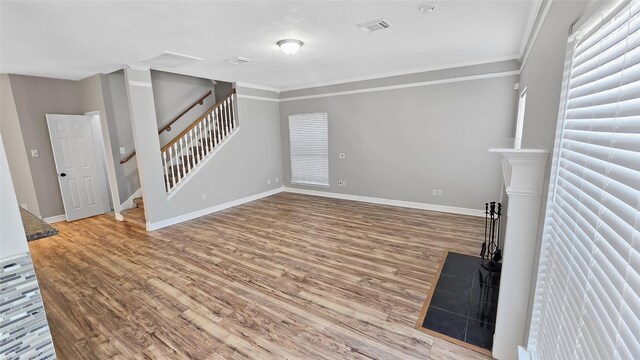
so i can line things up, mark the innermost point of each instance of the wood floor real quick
(289, 276)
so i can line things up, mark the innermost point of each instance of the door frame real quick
(103, 139)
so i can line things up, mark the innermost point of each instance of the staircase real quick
(135, 216)
(187, 152)
(183, 156)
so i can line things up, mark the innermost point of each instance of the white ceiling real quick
(77, 39)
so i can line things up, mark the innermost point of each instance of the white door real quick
(84, 193)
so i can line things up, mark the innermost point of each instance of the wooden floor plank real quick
(286, 277)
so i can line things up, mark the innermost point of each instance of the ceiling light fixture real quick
(289, 46)
(427, 8)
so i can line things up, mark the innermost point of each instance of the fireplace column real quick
(523, 172)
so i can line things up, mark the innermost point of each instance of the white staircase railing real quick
(187, 151)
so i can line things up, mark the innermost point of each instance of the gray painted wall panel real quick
(172, 93)
(400, 144)
(15, 149)
(35, 97)
(120, 131)
(241, 168)
(257, 92)
(463, 71)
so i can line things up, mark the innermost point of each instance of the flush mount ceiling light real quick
(289, 46)
(427, 8)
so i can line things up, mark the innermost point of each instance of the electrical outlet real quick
(342, 155)
(344, 183)
(204, 196)
(434, 192)
(34, 153)
(277, 180)
(439, 192)
(268, 181)
(122, 151)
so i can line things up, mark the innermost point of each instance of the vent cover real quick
(374, 25)
(239, 60)
(170, 59)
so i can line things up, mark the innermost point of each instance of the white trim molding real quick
(55, 219)
(532, 38)
(251, 97)
(210, 210)
(403, 86)
(382, 201)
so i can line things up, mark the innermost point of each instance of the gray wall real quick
(172, 93)
(542, 75)
(35, 97)
(400, 144)
(15, 149)
(117, 109)
(241, 168)
(223, 89)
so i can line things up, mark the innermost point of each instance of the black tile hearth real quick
(463, 304)
(457, 303)
(446, 323)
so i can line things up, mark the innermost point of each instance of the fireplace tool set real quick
(490, 252)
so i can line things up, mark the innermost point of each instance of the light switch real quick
(122, 151)
(34, 153)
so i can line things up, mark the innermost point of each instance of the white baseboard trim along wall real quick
(381, 201)
(372, 200)
(55, 219)
(209, 210)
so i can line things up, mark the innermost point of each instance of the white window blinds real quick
(309, 141)
(587, 302)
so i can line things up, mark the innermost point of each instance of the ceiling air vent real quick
(239, 60)
(374, 25)
(170, 59)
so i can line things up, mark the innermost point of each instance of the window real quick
(309, 141)
(520, 122)
(587, 302)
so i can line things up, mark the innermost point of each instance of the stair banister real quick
(167, 127)
(183, 155)
(197, 121)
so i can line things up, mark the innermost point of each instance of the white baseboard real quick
(381, 201)
(55, 219)
(210, 210)
(128, 204)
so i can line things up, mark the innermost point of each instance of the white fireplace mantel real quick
(523, 171)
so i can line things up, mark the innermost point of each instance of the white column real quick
(523, 172)
(145, 138)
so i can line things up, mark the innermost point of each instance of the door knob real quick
(63, 174)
